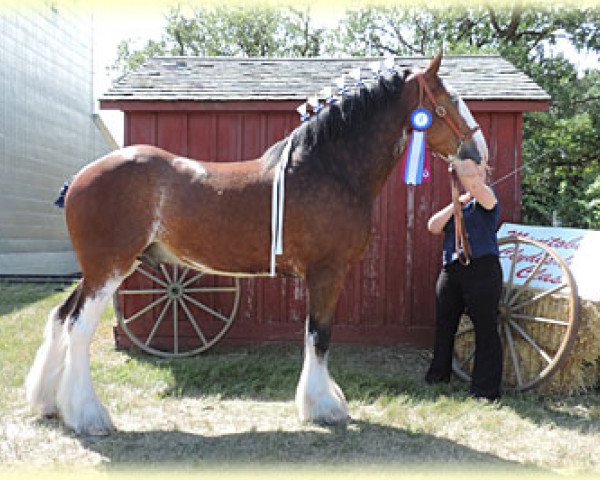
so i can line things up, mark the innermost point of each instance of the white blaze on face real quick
(467, 116)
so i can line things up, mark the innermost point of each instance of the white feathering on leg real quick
(77, 402)
(42, 380)
(318, 397)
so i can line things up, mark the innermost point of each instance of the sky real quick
(142, 24)
(109, 29)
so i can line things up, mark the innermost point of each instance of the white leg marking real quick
(318, 397)
(42, 381)
(77, 402)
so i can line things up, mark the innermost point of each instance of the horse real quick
(142, 203)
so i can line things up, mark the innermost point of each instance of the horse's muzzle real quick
(469, 149)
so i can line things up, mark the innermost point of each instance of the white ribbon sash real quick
(413, 173)
(277, 205)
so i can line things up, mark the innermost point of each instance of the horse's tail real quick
(60, 201)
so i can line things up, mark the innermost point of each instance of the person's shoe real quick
(478, 397)
(435, 378)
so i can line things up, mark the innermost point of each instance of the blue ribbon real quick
(60, 201)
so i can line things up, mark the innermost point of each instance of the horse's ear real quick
(434, 65)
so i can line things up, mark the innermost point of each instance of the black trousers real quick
(477, 288)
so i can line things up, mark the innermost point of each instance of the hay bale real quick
(581, 370)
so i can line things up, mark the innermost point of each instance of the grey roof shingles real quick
(475, 77)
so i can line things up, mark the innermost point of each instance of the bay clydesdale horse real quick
(143, 203)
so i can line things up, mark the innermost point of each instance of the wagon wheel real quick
(182, 313)
(537, 325)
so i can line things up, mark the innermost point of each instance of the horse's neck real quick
(375, 152)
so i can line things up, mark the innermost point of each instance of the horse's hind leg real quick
(76, 400)
(42, 381)
(318, 397)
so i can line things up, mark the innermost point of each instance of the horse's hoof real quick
(333, 422)
(97, 431)
(101, 427)
(90, 418)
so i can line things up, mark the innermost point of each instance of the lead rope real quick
(461, 241)
(278, 204)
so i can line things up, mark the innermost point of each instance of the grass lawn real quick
(232, 409)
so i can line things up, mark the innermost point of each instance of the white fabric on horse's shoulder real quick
(277, 205)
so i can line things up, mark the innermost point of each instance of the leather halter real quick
(441, 111)
(460, 231)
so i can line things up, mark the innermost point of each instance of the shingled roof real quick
(476, 77)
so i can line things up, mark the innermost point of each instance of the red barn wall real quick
(389, 296)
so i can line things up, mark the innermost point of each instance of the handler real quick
(476, 286)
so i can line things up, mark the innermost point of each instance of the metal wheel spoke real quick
(165, 272)
(206, 308)
(533, 318)
(151, 277)
(144, 310)
(175, 327)
(539, 296)
(512, 272)
(158, 322)
(211, 290)
(513, 355)
(467, 360)
(528, 279)
(193, 279)
(193, 322)
(183, 274)
(530, 341)
(140, 292)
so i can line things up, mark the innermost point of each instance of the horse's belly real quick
(211, 271)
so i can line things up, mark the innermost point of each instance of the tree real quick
(559, 183)
(229, 31)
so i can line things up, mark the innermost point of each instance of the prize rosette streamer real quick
(416, 160)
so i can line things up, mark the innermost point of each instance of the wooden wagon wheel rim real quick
(511, 314)
(176, 288)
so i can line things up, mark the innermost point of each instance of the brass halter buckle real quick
(440, 111)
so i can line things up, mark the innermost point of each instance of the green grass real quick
(234, 405)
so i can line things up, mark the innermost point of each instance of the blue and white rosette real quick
(421, 120)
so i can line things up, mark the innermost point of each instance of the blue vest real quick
(481, 231)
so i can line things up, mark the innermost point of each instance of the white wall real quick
(46, 131)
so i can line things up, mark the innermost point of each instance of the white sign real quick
(580, 249)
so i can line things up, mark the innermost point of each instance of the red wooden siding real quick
(389, 296)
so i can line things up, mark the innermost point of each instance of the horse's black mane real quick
(342, 119)
(349, 117)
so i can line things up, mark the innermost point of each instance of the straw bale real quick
(581, 370)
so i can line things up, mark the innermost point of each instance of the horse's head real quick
(453, 131)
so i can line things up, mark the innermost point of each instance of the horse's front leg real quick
(318, 397)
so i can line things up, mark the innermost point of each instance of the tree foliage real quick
(561, 147)
(255, 31)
